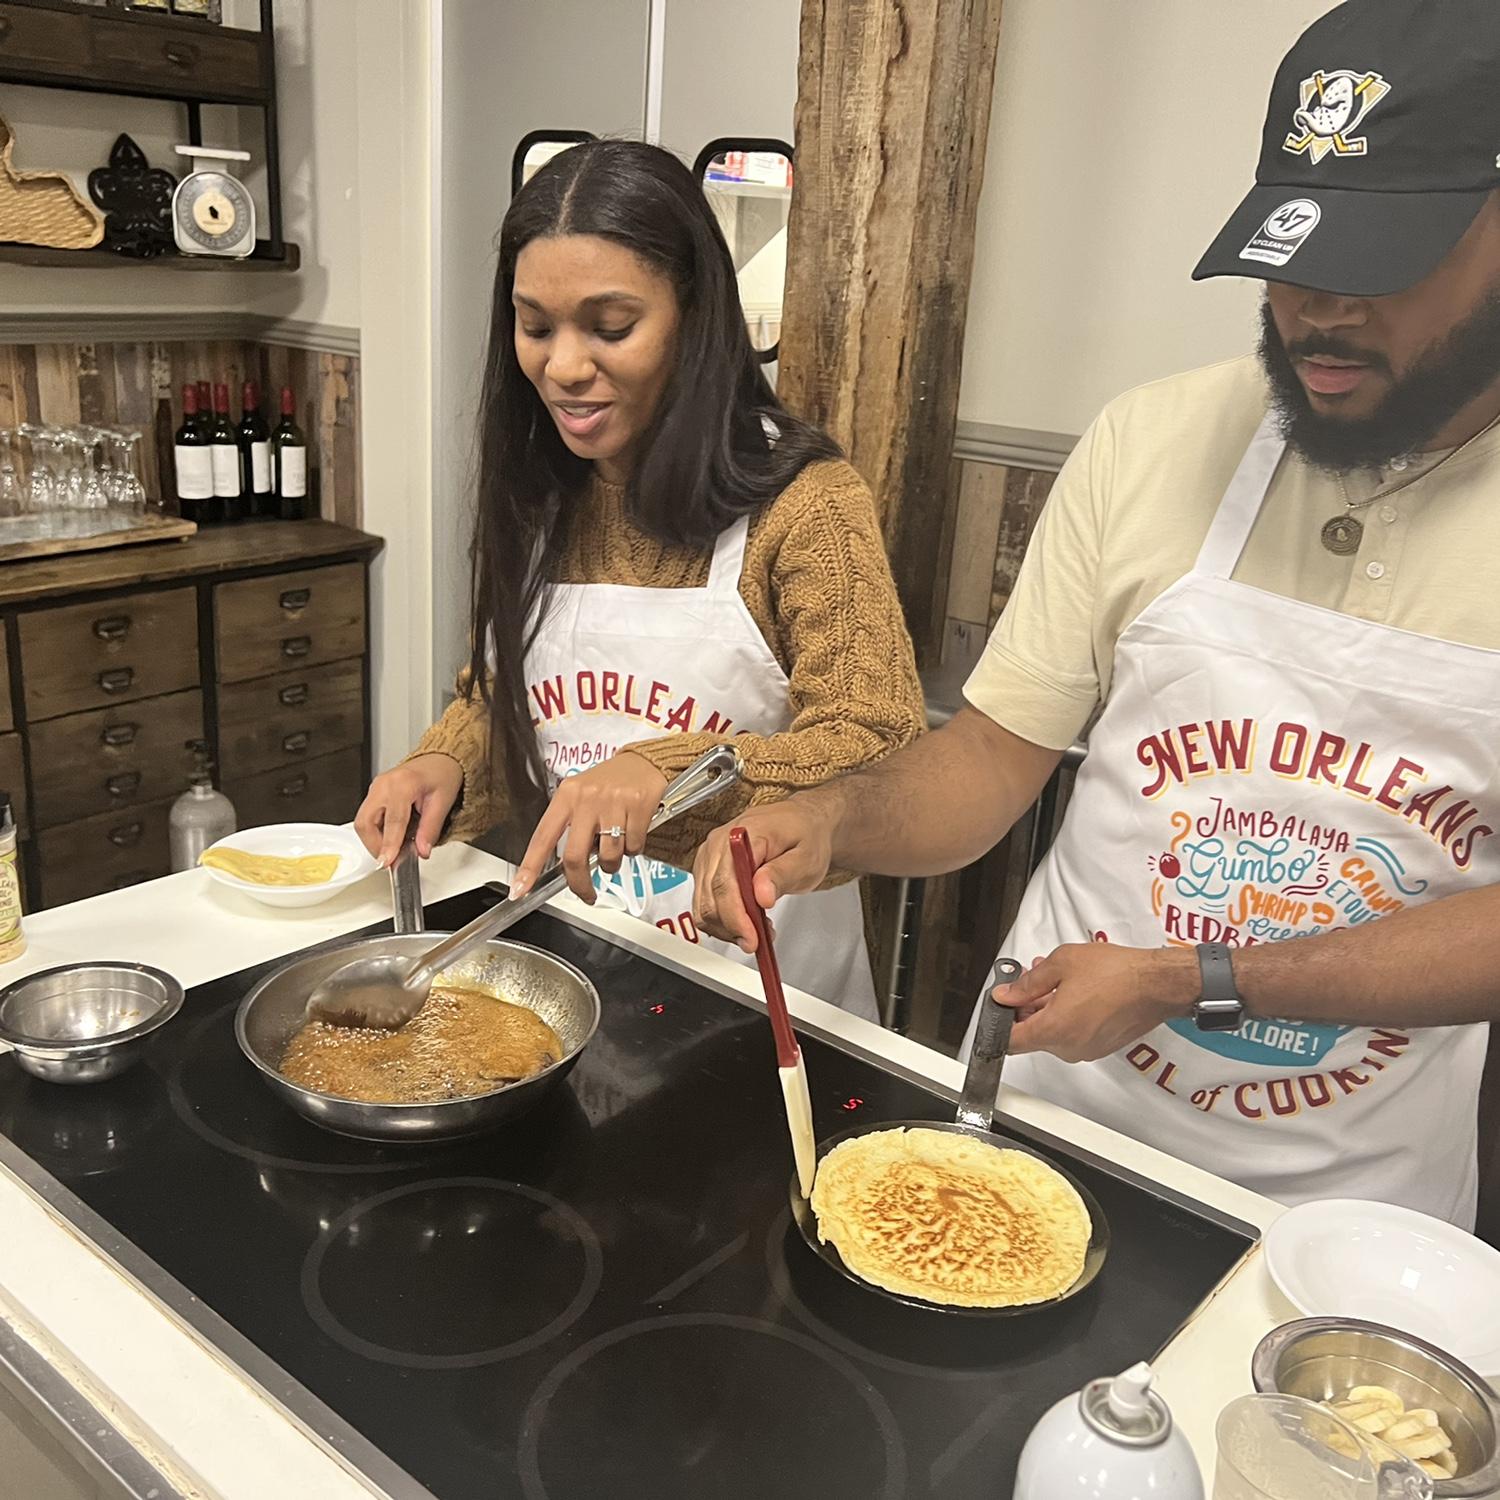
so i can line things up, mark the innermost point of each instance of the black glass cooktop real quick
(603, 1298)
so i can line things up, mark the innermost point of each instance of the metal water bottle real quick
(200, 816)
(1114, 1440)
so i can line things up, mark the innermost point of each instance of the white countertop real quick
(217, 1435)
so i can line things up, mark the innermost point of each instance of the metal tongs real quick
(386, 991)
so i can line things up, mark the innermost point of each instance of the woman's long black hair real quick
(705, 460)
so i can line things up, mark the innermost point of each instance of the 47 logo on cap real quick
(1281, 236)
(1334, 106)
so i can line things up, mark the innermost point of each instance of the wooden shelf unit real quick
(58, 45)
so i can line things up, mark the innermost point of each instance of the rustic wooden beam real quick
(893, 109)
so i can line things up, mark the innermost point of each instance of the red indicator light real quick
(657, 1010)
(852, 1103)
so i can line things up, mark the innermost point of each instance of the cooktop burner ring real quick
(335, 1328)
(781, 1283)
(528, 1448)
(182, 1106)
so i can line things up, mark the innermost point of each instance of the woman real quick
(664, 558)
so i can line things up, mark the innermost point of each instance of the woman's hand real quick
(428, 783)
(622, 794)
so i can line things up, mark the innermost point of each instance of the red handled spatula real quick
(788, 1054)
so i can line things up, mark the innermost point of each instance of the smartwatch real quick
(1219, 1008)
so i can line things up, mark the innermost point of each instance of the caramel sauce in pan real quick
(461, 1042)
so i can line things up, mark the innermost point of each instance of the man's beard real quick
(1446, 378)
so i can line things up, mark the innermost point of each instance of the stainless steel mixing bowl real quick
(562, 996)
(82, 1023)
(1321, 1358)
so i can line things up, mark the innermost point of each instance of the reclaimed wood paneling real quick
(893, 105)
(139, 384)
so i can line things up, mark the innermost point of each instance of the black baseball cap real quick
(1381, 144)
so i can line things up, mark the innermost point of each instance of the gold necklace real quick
(1342, 535)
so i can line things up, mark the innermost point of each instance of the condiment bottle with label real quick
(1114, 1440)
(200, 816)
(12, 939)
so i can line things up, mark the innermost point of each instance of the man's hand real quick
(622, 794)
(792, 845)
(1087, 1000)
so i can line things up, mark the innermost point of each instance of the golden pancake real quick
(951, 1219)
(271, 869)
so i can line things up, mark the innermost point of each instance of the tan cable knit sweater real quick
(816, 582)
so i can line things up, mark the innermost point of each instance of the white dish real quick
(292, 841)
(1350, 1258)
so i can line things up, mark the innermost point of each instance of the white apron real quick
(612, 665)
(1267, 769)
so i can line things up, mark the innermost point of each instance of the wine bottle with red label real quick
(192, 462)
(257, 495)
(224, 447)
(289, 449)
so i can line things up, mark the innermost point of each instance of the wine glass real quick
(132, 492)
(12, 491)
(41, 484)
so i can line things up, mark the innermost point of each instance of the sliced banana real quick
(1431, 1444)
(1376, 1393)
(1416, 1434)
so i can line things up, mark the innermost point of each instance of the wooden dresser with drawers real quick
(254, 637)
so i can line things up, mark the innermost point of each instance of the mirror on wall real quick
(537, 148)
(748, 183)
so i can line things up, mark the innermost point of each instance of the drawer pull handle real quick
(294, 744)
(296, 599)
(294, 786)
(123, 785)
(120, 734)
(112, 627)
(181, 57)
(127, 835)
(297, 693)
(295, 646)
(117, 679)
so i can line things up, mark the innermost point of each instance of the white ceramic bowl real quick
(1347, 1258)
(292, 841)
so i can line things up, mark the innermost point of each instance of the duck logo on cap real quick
(1334, 106)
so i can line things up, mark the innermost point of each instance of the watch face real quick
(213, 211)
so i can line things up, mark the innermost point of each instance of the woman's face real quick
(596, 334)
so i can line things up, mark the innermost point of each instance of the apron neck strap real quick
(729, 559)
(1235, 517)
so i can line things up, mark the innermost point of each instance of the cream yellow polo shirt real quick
(1133, 503)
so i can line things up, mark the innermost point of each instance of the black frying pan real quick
(976, 1109)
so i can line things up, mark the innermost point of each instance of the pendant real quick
(1342, 535)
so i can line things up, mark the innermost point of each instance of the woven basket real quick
(43, 208)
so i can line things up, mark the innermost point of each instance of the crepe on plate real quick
(272, 869)
(951, 1219)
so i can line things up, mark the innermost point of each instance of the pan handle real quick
(406, 881)
(976, 1106)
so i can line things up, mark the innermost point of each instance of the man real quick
(1276, 583)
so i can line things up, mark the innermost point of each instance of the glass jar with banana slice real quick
(1416, 1434)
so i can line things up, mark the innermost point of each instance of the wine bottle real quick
(205, 407)
(225, 449)
(193, 462)
(255, 456)
(289, 448)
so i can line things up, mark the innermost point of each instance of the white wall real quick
(506, 67)
(319, 150)
(389, 46)
(729, 68)
(1123, 133)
